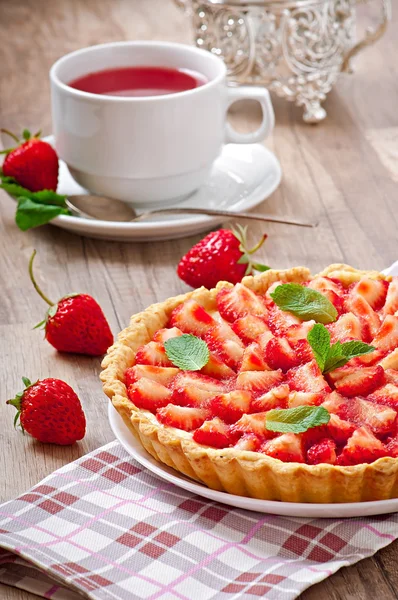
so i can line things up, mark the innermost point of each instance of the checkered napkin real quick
(104, 528)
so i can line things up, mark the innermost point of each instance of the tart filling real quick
(264, 365)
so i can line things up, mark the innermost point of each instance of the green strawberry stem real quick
(241, 235)
(14, 137)
(17, 401)
(33, 280)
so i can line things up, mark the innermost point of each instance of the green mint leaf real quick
(319, 340)
(49, 197)
(15, 190)
(30, 214)
(335, 359)
(304, 302)
(187, 352)
(296, 420)
(260, 267)
(355, 348)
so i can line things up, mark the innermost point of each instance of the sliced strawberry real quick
(268, 300)
(322, 284)
(163, 375)
(390, 361)
(197, 380)
(279, 355)
(162, 335)
(392, 376)
(231, 406)
(359, 382)
(249, 328)
(239, 301)
(191, 317)
(322, 452)
(307, 378)
(374, 291)
(369, 319)
(294, 333)
(216, 368)
(258, 381)
(249, 442)
(215, 433)
(347, 327)
(339, 429)
(253, 424)
(275, 398)
(225, 343)
(263, 339)
(387, 394)
(379, 419)
(386, 338)
(279, 322)
(367, 359)
(253, 359)
(335, 404)
(391, 303)
(392, 447)
(288, 447)
(303, 352)
(192, 396)
(305, 398)
(148, 394)
(152, 353)
(182, 417)
(362, 447)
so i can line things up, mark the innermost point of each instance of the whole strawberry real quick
(33, 163)
(75, 324)
(221, 256)
(50, 411)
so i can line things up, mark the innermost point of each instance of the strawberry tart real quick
(281, 387)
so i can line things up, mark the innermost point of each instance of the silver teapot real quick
(296, 48)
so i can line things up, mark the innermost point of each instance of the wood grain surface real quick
(343, 172)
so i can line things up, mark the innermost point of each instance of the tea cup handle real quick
(252, 93)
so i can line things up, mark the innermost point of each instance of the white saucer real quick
(290, 509)
(242, 177)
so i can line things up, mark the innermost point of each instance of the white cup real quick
(147, 150)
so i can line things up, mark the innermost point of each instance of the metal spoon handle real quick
(224, 213)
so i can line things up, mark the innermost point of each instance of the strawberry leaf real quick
(12, 188)
(187, 352)
(304, 302)
(30, 214)
(260, 267)
(296, 420)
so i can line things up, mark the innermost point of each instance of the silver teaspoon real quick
(109, 209)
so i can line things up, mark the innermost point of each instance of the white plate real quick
(242, 177)
(290, 509)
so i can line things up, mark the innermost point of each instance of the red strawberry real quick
(221, 256)
(281, 322)
(305, 398)
(153, 353)
(148, 394)
(50, 411)
(373, 290)
(75, 324)
(197, 380)
(239, 301)
(388, 394)
(225, 343)
(386, 337)
(369, 319)
(253, 424)
(279, 355)
(252, 359)
(258, 381)
(322, 452)
(362, 447)
(249, 442)
(192, 396)
(287, 447)
(216, 368)
(339, 429)
(391, 303)
(230, 407)
(276, 398)
(249, 328)
(163, 375)
(347, 327)
(191, 317)
(183, 417)
(307, 378)
(351, 381)
(215, 433)
(33, 163)
(162, 335)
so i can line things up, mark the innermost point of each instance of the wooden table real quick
(343, 173)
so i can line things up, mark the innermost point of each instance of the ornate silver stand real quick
(296, 48)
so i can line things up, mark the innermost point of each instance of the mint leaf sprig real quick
(296, 420)
(332, 356)
(34, 208)
(304, 302)
(187, 352)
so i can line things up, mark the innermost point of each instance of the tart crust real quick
(231, 470)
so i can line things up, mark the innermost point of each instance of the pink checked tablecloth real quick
(106, 529)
